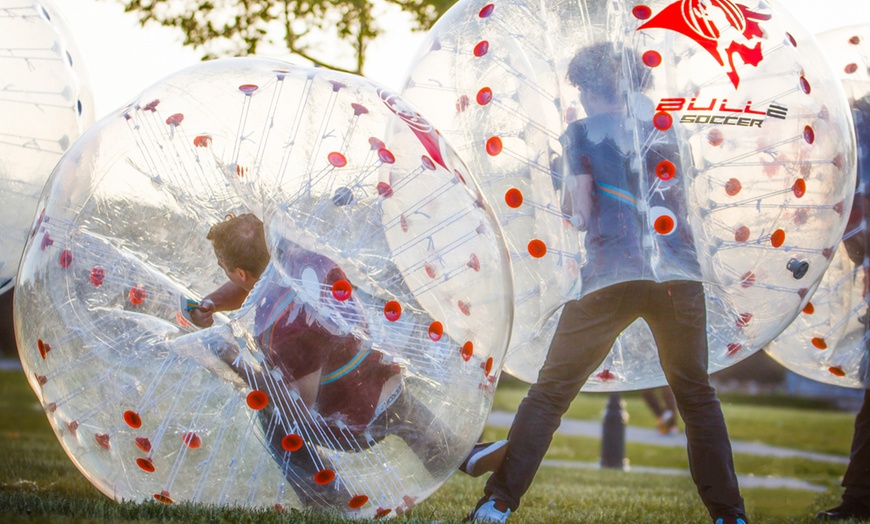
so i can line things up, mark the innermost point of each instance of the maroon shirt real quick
(304, 328)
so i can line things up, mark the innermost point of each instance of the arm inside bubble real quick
(577, 200)
(228, 297)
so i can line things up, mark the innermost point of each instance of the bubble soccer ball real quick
(46, 104)
(381, 249)
(728, 119)
(827, 341)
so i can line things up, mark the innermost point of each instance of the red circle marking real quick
(427, 163)
(248, 89)
(137, 295)
(641, 12)
(376, 143)
(666, 170)
(819, 343)
(805, 85)
(855, 40)
(436, 330)
(464, 307)
(493, 146)
(66, 258)
(837, 371)
(97, 275)
(145, 464)
(202, 141)
(467, 351)
(481, 48)
(747, 280)
(809, 135)
(103, 440)
(384, 189)
(473, 262)
(291, 442)
(777, 238)
(359, 109)
(732, 187)
(133, 419)
(392, 310)
(257, 400)
(341, 290)
(488, 368)
(851, 68)
(462, 103)
(43, 348)
(537, 248)
(743, 319)
(664, 224)
(606, 375)
(358, 501)
(484, 96)
(733, 348)
(336, 159)
(513, 197)
(663, 121)
(386, 156)
(715, 138)
(324, 477)
(144, 444)
(175, 120)
(486, 11)
(163, 497)
(191, 440)
(791, 39)
(652, 59)
(809, 309)
(800, 187)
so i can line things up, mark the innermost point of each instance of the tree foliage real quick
(317, 30)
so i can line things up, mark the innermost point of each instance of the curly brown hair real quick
(240, 242)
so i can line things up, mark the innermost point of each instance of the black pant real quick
(407, 418)
(676, 314)
(857, 477)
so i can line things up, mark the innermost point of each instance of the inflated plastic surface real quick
(828, 340)
(344, 176)
(45, 103)
(735, 142)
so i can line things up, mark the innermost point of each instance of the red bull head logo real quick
(710, 24)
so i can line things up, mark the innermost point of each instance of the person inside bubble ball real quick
(350, 391)
(625, 277)
(855, 501)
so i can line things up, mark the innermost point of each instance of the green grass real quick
(774, 420)
(38, 483)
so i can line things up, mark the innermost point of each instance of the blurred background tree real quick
(329, 33)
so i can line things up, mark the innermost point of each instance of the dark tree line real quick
(240, 27)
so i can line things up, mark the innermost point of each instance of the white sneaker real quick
(484, 457)
(494, 511)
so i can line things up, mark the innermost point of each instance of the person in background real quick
(662, 403)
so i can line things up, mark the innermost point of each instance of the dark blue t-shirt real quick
(639, 226)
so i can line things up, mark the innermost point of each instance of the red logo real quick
(708, 22)
(425, 132)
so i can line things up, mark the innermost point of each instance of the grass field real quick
(38, 483)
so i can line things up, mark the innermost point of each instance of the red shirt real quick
(304, 328)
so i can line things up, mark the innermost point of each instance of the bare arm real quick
(577, 203)
(225, 298)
